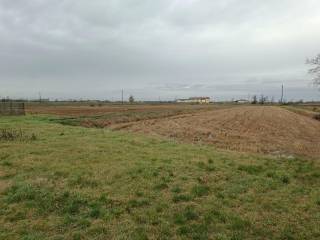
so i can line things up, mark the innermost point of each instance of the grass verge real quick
(83, 183)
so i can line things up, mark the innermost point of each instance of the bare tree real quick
(131, 99)
(254, 99)
(263, 99)
(272, 100)
(315, 69)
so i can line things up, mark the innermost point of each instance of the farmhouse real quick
(199, 100)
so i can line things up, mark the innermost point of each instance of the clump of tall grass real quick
(16, 135)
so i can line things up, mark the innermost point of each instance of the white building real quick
(242, 101)
(199, 100)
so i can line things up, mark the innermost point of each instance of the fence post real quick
(23, 109)
(11, 108)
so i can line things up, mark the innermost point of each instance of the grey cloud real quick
(79, 48)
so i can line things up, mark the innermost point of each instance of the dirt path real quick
(249, 129)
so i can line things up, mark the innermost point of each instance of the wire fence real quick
(12, 108)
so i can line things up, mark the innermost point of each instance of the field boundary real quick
(12, 108)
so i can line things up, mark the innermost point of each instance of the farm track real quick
(268, 130)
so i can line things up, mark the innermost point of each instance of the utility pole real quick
(282, 94)
(40, 97)
(122, 96)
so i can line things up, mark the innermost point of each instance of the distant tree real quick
(272, 100)
(266, 99)
(315, 69)
(263, 99)
(131, 99)
(254, 99)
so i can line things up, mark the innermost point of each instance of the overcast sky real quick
(169, 49)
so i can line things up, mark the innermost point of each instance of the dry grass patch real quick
(268, 130)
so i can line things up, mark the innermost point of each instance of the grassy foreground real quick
(79, 183)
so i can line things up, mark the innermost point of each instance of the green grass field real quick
(86, 183)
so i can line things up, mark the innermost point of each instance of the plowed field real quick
(271, 130)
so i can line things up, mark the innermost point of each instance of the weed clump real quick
(161, 186)
(176, 189)
(6, 163)
(18, 193)
(239, 224)
(194, 231)
(82, 181)
(251, 169)
(16, 135)
(44, 199)
(208, 167)
(200, 190)
(135, 203)
(285, 179)
(188, 214)
(95, 211)
(181, 198)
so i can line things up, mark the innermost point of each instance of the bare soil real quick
(258, 129)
